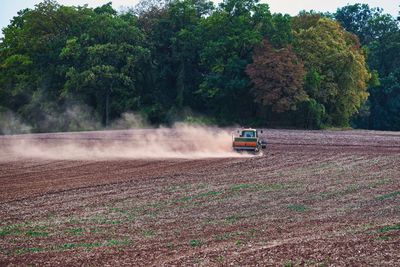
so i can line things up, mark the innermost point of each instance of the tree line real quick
(232, 63)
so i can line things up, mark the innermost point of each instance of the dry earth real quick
(315, 198)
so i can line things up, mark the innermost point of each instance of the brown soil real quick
(314, 198)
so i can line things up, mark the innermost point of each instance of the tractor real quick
(248, 140)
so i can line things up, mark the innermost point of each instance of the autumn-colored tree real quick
(277, 75)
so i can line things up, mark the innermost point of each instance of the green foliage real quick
(32, 233)
(240, 187)
(29, 250)
(75, 231)
(298, 208)
(231, 34)
(104, 72)
(388, 196)
(173, 72)
(195, 243)
(232, 219)
(149, 233)
(55, 54)
(288, 264)
(79, 68)
(311, 115)
(10, 230)
(369, 24)
(337, 73)
(390, 228)
(380, 34)
(385, 103)
(228, 38)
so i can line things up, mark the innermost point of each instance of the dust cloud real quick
(10, 123)
(71, 118)
(180, 141)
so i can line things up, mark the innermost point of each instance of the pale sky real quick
(9, 8)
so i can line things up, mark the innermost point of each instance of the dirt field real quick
(314, 198)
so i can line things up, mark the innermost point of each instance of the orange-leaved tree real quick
(277, 76)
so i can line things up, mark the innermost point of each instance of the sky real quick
(9, 8)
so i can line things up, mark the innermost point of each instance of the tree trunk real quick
(108, 106)
(180, 86)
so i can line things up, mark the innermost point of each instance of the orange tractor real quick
(248, 140)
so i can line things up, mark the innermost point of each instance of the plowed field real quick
(313, 198)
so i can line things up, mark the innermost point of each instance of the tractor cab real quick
(248, 140)
(249, 133)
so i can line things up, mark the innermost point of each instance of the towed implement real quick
(248, 140)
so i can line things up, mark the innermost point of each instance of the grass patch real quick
(380, 182)
(388, 196)
(5, 232)
(353, 188)
(32, 233)
(288, 264)
(14, 229)
(239, 187)
(390, 228)
(118, 243)
(108, 243)
(149, 233)
(158, 205)
(203, 195)
(113, 222)
(232, 219)
(69, 246)
(185, 199)
(29, 250)
(258, 187)
(75, 231)
(298, 208)
(195, 243)
(232, 189)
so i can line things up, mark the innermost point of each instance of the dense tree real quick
(29, 58)
(101, 65)
(166, 59)
(277, 76)
(174, 66)
(71, 53)
(229, 36)
(380, 35)
(385, 103)
(369, 24)
(337, 72)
